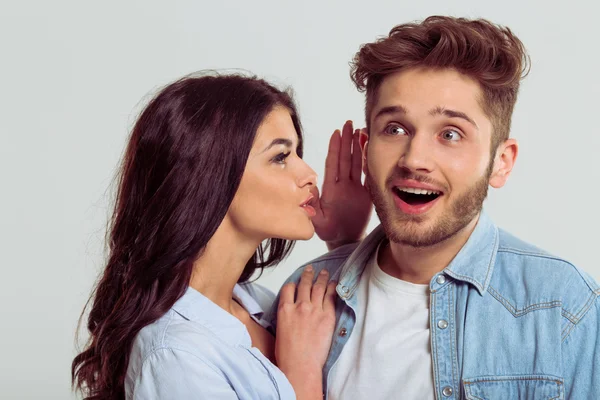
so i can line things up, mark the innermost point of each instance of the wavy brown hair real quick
(181, 169)
(488, 53)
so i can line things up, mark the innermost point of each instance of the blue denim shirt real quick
(199, 351)
(508, 320)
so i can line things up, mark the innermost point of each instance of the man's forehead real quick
(427, 90)
(441, 82)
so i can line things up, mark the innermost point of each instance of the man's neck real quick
(419, 264)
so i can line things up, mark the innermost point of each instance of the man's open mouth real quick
(414, 196)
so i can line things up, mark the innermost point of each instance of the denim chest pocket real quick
(522, 387)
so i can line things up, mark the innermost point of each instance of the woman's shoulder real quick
(174, 357)
(193, 325)
(199, 343)
(171, 331)
(261, 295)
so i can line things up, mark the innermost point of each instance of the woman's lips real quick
(310, 210)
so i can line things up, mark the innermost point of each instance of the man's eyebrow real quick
(452, 114)
(391, 110)
(275, 142)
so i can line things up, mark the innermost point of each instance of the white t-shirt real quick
(388, 355)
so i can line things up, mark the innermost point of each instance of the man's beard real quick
(407, 229)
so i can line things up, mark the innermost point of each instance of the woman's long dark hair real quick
(181, 169)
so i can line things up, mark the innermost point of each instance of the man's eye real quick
(395, 130)
(451, 135)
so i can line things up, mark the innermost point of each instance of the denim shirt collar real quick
(196, 307)
(474, 263)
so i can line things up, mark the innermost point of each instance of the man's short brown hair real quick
(488, 53)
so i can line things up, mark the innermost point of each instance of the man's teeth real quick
(417, 191)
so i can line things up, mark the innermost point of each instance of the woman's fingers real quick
(320, 292)
(329, 298)
(287, 293)
(319, 288)
(345, 157)
(332, 161)
(305, 285)
(356, 171)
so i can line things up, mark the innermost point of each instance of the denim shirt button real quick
(441, 279)
(345, 290)
(343, 332)
(442, 324)
(447, 391)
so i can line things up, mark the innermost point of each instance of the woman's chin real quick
(306, 233)
(308, 236)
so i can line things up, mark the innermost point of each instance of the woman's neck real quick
(221, 264)
(216, 273)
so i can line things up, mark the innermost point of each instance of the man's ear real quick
(364, 142)
(504, 161)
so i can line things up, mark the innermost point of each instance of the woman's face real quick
(276, 185)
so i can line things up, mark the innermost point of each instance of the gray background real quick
(74, 75)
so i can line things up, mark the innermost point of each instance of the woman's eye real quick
(280, 158)
(395, 130)
(451, 135)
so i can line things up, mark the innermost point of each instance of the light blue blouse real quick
(199, 351)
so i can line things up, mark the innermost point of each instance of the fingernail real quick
(309, 268)
(323, 272)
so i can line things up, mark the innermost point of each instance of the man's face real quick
(427, 155)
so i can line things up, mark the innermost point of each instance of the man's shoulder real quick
(336, 257)
(514, 253)
(526, 274)
(511, 243)
(332, 261)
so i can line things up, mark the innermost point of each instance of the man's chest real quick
(476, 347)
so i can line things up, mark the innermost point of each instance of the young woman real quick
(212, 188)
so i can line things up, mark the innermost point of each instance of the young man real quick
(438, 302)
